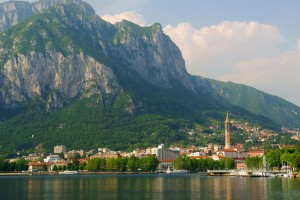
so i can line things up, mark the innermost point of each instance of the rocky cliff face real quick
(13, 12)
(60, 78)
(152, 54)
(54, 68)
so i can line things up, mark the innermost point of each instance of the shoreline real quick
(3, 174)
(57, 173)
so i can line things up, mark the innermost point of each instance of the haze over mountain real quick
(65, 73)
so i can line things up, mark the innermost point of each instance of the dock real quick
(250, 173)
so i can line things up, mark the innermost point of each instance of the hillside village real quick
(60, 158)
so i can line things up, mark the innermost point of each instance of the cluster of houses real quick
(166, 156)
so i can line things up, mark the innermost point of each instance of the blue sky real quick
(254, 42)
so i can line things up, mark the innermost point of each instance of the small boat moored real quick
(176, 171)
(67, 172)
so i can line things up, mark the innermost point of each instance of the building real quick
(166, 157)
(151, 151)
(37, 166)
(257, 153)
(60, 149)
(111, 154)
(57, 164)
(167, 154)
(197, 155)
(232, 153)
(227, 133)
(104, 150)
(35, 156)
(52, 158)
(74, 154)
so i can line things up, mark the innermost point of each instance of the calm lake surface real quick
(148, 186)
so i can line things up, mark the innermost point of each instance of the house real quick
(232, 153)
(38, 166)
(256, 153)
(197, 155)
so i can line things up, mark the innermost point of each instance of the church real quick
(237, 152)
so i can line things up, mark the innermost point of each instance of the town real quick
(233, 156)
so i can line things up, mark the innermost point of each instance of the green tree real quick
(123, 164)
(44, 168)
(132, 164)
(296, 162)
(211, 164)
(285, 158)
(179, 163)
(94, 164)
(273, 158)
(55, 168)
(109, 164)
(222, 163)
(149, 163)
(202, 164)
(187, 162)
(102, 164)
(229, 163)
(194, 165)
(21, 165)
(254, 162)
(217, 165)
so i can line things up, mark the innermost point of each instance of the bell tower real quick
(227, 133)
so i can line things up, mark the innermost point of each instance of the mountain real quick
(13, 12)
(258, 102)
(67, 76)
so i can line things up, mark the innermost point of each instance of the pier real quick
(250, 173)
(219, 172)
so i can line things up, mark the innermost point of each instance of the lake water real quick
(147, 186)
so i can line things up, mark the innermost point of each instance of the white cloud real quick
(127, 15)
(278, 75)
(209, 48)
(241, 52)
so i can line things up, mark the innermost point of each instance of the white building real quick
(104, 150)
(197, 154)
(151, 151)
(52, 158)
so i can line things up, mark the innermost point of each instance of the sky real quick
(254, 42)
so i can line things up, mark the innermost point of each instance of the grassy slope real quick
(260, 103)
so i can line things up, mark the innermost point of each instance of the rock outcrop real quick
(35, 65)
(56, 79)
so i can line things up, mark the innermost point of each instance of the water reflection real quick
(190, 186)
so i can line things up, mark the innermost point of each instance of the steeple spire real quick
(227, 118)
(227, 133)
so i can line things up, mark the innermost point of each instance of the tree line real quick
(18, 165)
(203, 164)
(276, 159)
(284, 157)
(132, 164)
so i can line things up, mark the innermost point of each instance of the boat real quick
(176, 171)
(181, 171)
(168, 171)
(67, 172)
